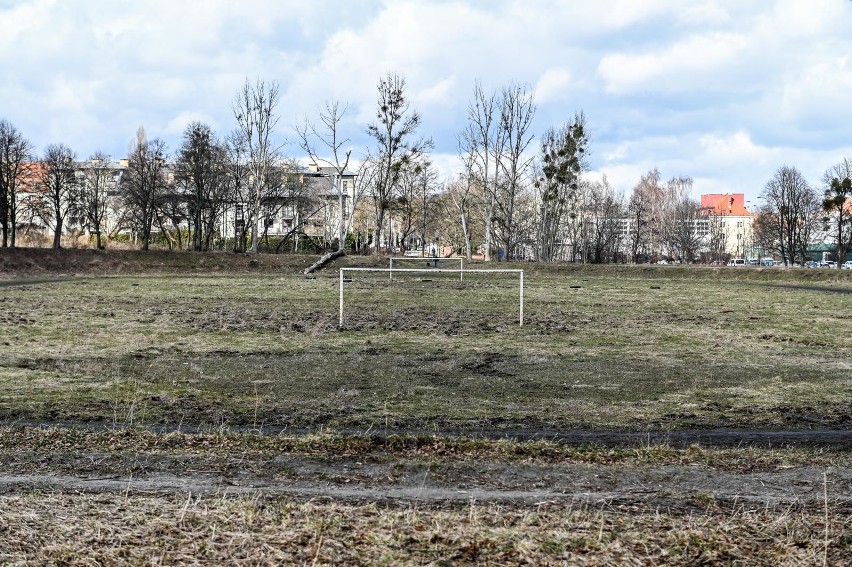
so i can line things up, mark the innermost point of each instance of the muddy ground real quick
(681, 471)
(715, 470)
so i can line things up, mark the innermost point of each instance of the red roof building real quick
(732, 204)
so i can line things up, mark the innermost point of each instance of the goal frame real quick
(520, 274)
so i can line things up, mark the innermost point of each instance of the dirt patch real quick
(418, 469)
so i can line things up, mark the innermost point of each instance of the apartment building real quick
(734, 219)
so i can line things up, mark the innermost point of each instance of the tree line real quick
(511, 200)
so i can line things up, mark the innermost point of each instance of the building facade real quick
(727, 212)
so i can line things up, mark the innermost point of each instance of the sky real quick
(724, 92)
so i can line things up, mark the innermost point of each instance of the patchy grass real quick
(646, 348)
(410, 399)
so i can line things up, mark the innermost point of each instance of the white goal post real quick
(520, 274)
(429, 260)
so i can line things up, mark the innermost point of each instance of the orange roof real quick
(725, 204)
(31, 176)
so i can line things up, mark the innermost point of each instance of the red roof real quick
(725, 204)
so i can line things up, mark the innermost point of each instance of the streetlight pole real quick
(755, 249)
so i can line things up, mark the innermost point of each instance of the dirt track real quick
(691, 480)
(402, 480)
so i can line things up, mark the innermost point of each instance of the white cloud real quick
(617, 153)
(704, 13)
(625, 13)
(438, 94)
(820, 94)
(733, 148)
(553, 85)
(722, 91)
(805, 20)
(683, 66)
(177, 125)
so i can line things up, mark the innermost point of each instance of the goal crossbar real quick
(520, 274)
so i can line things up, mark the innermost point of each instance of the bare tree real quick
(329, 138)
(458, 200)
(480, 145)
(675, 214)
(174, 208)
(238, 187)
(793, 211)
(766, 230)
(363, 221)
(255, 107)
(302, 197)
(717, 236)
(605, 210)
(200, 179)
(516, 113)
(563, 159)
(836, 205)
(15, 152)
(681, 230)
(413, 204)
(644, 230)
(56, 175)
(467, 193)
(143, 184)
(95, 185)
(660, 217)
(396, 147)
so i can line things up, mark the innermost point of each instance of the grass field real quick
(649, 349)
(180, 379)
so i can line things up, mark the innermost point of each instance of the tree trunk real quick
(57, 234)
(319, 264)
(466, 235)
(13, 221)
(489, 231)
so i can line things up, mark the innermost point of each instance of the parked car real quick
(828, 264)
(811, 264)
(736, 262)
(847, 265)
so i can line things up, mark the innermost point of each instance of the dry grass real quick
(150, 529)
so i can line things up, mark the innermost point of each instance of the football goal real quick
(519, 273)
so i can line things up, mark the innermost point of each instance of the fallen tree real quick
(319, 264)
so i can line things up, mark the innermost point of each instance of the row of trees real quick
(64, 192)
(509, 200)
(795, 214)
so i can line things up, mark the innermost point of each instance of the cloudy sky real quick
(722, 91)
